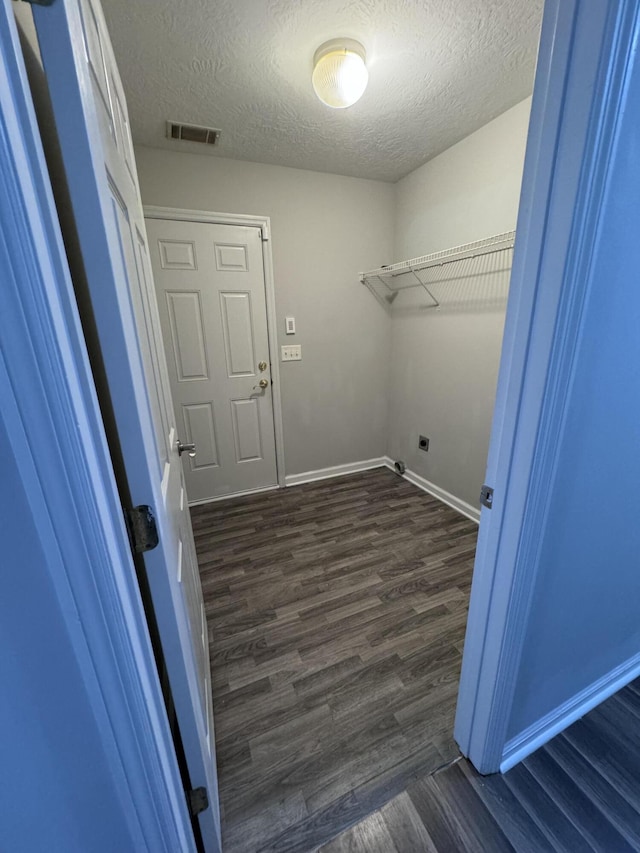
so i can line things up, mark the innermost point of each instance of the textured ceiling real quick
(438, 70)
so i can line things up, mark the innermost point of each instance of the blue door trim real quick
(59, 439)
(584, 58)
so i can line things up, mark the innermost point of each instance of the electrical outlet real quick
(423, 443)
(293, 352)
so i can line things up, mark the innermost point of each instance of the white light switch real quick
(291, 353)
(290, 325)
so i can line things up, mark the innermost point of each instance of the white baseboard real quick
(561, 717)
(353, 468)
(334, 471)
(233, 495)
(446, 497)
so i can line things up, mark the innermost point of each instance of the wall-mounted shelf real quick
(407, 274)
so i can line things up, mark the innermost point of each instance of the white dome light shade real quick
(340, 75)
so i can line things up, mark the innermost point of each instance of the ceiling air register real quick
(192, 133)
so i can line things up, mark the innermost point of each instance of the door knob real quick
(186, 448)
(264, 383)
(262, 366)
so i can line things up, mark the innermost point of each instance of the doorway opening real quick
(337, 609)
(345, 598)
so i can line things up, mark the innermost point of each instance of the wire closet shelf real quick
(406, 274)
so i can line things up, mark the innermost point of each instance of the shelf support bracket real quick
(436, 304)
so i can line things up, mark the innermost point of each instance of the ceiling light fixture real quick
(340, 75)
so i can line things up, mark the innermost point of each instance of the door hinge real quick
(198, 801)
(486, 496)
(143, 531)
(264, 233)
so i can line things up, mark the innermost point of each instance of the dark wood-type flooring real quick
(578, 794)
(337, 613)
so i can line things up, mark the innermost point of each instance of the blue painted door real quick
(93, 128)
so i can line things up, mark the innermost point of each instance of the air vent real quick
(192, 133)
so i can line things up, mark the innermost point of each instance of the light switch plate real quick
(291, 353)
(290, 325)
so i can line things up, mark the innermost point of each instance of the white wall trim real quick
(561, 717)
(180, 214)
(441, 494)
(334, 471)
(232, 495)
(250, 221)
(384, 462)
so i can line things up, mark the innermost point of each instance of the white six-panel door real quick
(211, 295)
(93, 127)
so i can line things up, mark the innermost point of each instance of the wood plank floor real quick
(336, 614)
(578, 794)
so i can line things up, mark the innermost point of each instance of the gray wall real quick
(445, 362)
(370, 382)
(325, 229)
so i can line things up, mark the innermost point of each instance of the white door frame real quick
(585, 52)
(264, 223)
(51, 411)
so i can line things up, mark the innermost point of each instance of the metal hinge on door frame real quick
(264, 233)
(198, 801)
(142, 528)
